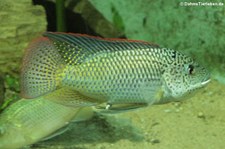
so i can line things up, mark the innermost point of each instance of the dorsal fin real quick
(75, 47)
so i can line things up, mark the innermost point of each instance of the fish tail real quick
(41, 66)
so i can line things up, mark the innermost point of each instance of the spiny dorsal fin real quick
(76, 47)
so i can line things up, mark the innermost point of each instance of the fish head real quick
(183, 77)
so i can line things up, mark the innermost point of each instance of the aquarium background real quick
(195, 30)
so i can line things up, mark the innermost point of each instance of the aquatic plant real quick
(60, 16)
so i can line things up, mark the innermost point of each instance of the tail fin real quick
(40, 69)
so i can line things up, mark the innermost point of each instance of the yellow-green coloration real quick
(28, 121)
(115, 72)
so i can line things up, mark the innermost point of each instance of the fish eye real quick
(190, 69)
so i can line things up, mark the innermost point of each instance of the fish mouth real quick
(206, 82)
(202, 84)
(206, 79)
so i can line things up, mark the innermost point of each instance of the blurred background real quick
(195, 30)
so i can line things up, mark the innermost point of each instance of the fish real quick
(26, 122)
(117, 73)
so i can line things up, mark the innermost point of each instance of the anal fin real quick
(82, 114)
(69, 97)
(56, 133)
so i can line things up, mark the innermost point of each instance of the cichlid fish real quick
(122, 73)
(28, 121)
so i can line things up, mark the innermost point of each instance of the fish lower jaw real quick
(199, 85)
(205, 82)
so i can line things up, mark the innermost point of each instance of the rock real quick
(201, 115)
(81, 17)
(155, 141)
(20, 22)
(95, 19)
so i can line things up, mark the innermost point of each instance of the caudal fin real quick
(40, 69)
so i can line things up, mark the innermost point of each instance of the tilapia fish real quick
(120, 73)
(28, 121)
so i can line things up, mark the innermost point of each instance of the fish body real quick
(112, 71)
(28, 121)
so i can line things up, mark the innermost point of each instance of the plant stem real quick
(60, 16)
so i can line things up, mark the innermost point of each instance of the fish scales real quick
(113, 71)
(98, 75)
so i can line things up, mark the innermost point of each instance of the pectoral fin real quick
(152, 91)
